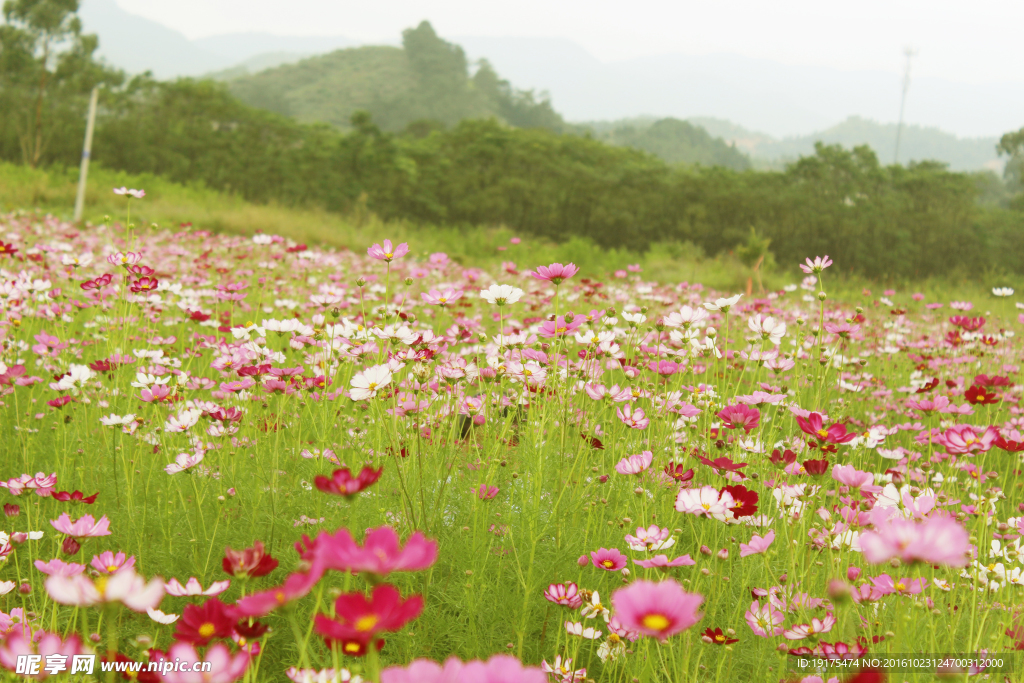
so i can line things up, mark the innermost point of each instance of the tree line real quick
(879, 221)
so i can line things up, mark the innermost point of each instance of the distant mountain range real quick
(730, 96)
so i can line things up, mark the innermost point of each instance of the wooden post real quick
(86, 151)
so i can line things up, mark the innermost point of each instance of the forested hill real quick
(426, 80)
(428, 83)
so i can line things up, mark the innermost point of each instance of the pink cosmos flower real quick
(662, 561)
(740, 415)
(125, 587)
(767, 621)
(225, 667)
(296, 586)
(854, 478)
(84, 527)
(819, 264)
(42, 484)
(18, 643)
(656, 609)
(758, 544)
(567, 594)
(634, 464)
(109, 563)
(137, 194)
(608, 559)
(651, 538)
(635, 418)
(562, 670)
(193, 587)
(498, 669)
(58, 567)
(885, 585)
(964, 439)
(439, 298)
(937, 540)
(555, 273)
(485, 492)
(388, 252)
(380, 553)
(816, 627)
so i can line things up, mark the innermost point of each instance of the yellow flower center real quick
(111, 568)
(207, 630)
(608, 564)
(901, 586)
(279, 596)
(389, 254)
(823, 433)
(366, 623)
(373, 386)
(655, 622)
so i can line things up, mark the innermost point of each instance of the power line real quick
(909, 53)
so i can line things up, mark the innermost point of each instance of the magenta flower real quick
(964, 439)
(632, 417)
(498, 669)
(656, 609)
(84, 527)
(486, 492)
(555, 273)
(294, 587)
(740, 415)
(388, 252)
(634, 464)
(559, 327)
(854, 478)
(608, 559)
(937, 540)
(379, 555)
(758, 544)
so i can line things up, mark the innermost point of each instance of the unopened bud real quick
(71, 546)
(408, 281)
(822, 296)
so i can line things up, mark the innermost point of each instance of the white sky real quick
(971, 41)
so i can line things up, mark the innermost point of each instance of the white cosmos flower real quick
(366, 383)
(768, 328)
(723, 304)
(183, 421)
(501, 294)
(161, 618)
(1002, 291)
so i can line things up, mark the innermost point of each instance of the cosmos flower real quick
(660, 609)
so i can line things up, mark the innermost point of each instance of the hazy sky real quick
(964, 40)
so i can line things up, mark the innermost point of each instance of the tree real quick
(1012, 145)
(47, 68)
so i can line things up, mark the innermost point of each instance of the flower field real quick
(371, 464)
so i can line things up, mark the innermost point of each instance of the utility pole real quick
(909, 53)
(86, 151)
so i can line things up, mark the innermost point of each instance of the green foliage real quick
(47, 68)
(679, 142)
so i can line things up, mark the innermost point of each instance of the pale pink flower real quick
(18, 643)
(937, 540)
(963, 439)
(705, 501)
(816, 627)
(193, 587)
(656, 609)
(819, 264)
(632, 417)
(567, 594)
(439, 298)
(58, 567)
(634, 464)
(651, 538)
(662, 561)
(125, 587)
(767, 621)
(108, 563)
(226, 667)
(758, 544)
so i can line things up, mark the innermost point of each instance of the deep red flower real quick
(100, 366)
(144, 284)
(359, 620)
(75, 497)
(679, 473)
(995, 381)
(718, 637)
(744, 500)
(59, 402)
(722, 463)
(932, 383)
(1010, 446)
(814, 426)
(249, 563)
(342, 483)
(815, 468)
(7, 249)
(979, 395)
(199, 624)
(966, 323)
(787, 457)
(594, 441)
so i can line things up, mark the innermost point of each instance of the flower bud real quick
(822, 296)
(704, 550)
(583, 561)
(12, 510)
(360, 281)
(852, 573)
(408, 281)
(723, 554)
(25, 588)
(71, 546)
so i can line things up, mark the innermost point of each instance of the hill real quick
(676, 142)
